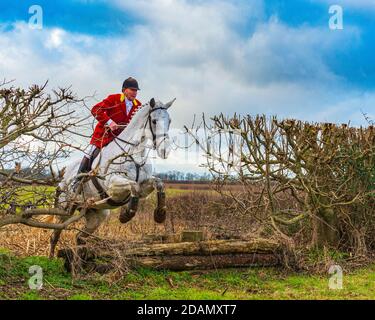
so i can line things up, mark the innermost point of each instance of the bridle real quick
(154, 141)
(154, 135)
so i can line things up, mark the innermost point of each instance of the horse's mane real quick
(139, 114)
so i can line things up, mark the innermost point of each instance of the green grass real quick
(32, 194)
(26, 195)
(80, 297)
(30, 295)
(232, 284)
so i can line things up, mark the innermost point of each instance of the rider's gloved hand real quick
(113, 125)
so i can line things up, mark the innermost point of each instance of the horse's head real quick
(159, 122)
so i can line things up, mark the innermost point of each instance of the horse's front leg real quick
(128, 211)
(94, 218)
(157, 184)
(120, 188)
(146, 187)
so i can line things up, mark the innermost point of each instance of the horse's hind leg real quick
(55, 237)
(94, 218)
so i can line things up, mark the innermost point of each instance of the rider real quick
(113, 113)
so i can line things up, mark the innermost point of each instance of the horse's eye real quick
(154, 121)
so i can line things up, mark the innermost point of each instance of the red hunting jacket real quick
(111, 108)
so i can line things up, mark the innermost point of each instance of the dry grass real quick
(25, 241)
(202, 210)
(187, 209)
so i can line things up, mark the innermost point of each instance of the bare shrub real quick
(307, 183)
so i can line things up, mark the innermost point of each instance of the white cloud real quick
(55, 38)
(193, 51)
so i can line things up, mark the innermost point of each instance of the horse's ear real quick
(168, 105)
(152, 103)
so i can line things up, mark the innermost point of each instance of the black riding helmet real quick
(130, 83)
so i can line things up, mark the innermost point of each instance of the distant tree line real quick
(172, 175)
(183, 176)
(25, 172)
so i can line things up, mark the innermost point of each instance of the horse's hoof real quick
(126, 215)
(160, 215)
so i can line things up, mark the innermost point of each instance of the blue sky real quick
(106, 19)
(247, 56)
(98, 18)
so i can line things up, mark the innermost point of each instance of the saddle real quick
(102, 193)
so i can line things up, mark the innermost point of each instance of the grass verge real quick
(231, 284)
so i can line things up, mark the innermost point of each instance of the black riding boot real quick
(84, 167)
